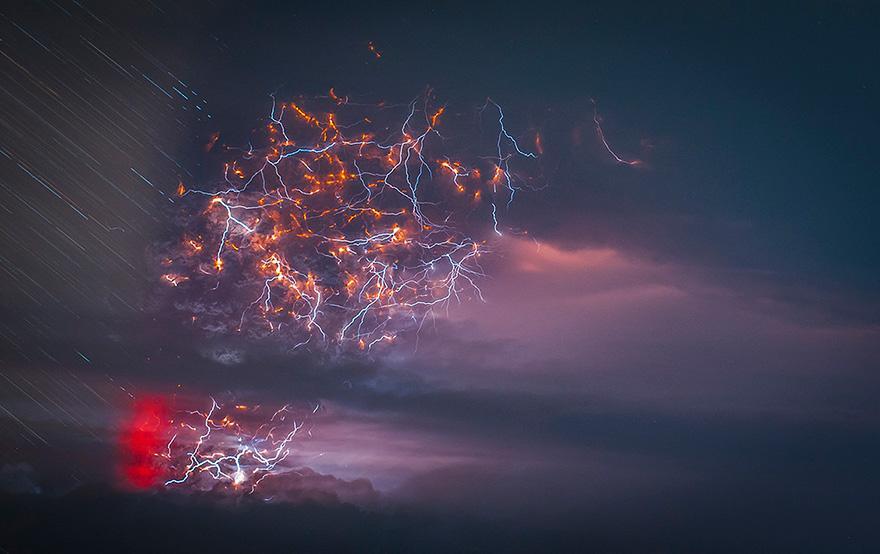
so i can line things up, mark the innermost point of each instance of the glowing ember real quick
(340, 231)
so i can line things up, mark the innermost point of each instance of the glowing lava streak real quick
(342, 229)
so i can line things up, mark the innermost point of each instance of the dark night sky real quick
(696, 369)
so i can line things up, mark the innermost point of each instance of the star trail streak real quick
(87, 128)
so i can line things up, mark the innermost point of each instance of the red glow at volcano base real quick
(140, 438)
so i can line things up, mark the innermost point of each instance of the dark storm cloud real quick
(301, 486)
(535, 390)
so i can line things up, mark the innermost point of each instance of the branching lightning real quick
(219, 445)
(601, 134)
(344, 230)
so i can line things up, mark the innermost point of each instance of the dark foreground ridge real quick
(93, 519)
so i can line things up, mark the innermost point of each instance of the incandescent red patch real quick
(141, 440)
